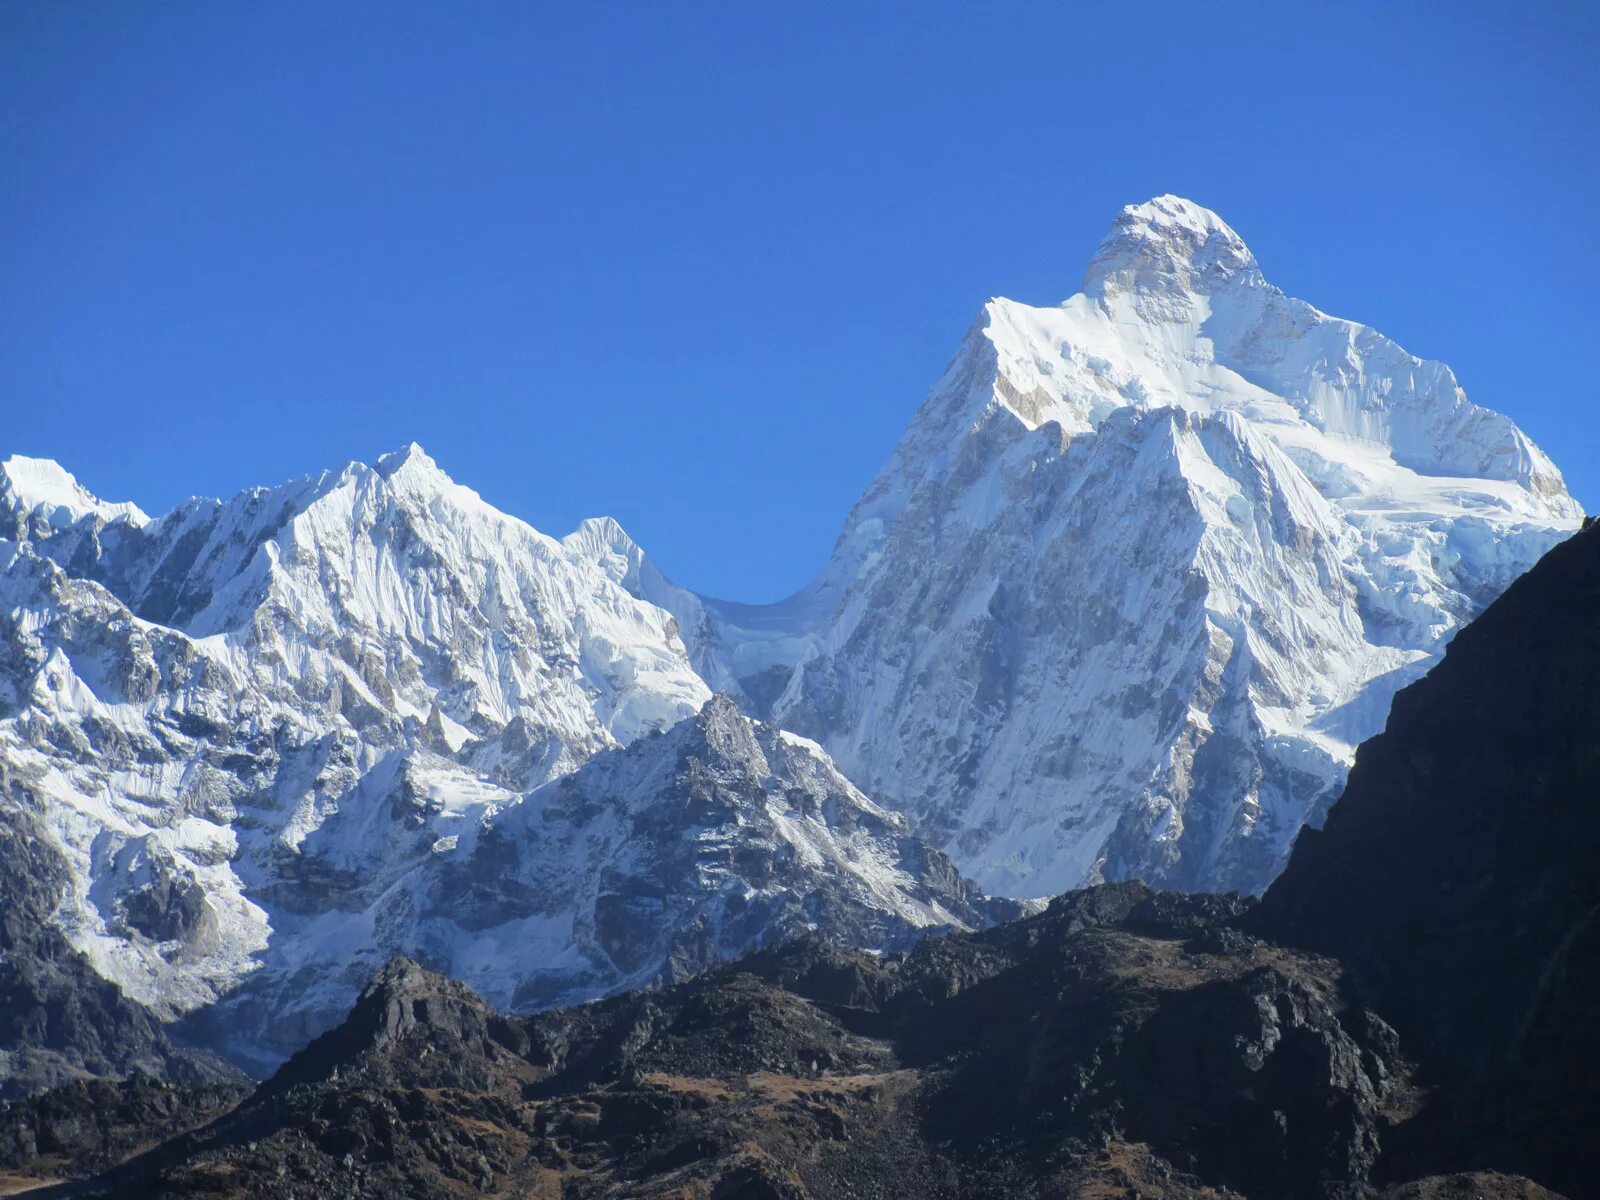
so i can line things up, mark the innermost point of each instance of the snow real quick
(1144, 569)
(320, 707)
(40, 485)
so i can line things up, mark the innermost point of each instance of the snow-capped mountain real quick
(1142, 572)
(260, 730)
(1145, 568)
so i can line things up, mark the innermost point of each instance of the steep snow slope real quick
(1142, 572)
(254, 726)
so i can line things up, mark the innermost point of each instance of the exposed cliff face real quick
(1457, 875)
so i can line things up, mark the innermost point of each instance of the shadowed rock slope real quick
(1457, 878)
(87, 1075)
(1123, 1043)
(59, 1020)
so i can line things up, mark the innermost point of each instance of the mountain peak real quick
(34, 484)
(409, 458)
(411, 471)
(597, 536)
(403, 1003)
(1168, 243)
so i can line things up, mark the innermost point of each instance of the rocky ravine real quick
(1122, 1043)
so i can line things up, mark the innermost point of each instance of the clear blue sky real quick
(694, 265)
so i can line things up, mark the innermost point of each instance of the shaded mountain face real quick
(1142, 572)
(644, 866)
(1457, 875)
(273, 741)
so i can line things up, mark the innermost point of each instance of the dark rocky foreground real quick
(1124, 1043)
(1402, 1016)
(91, 1125)
(87, 1076)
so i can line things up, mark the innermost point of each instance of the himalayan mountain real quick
(1408, 1013)
(1145, 568)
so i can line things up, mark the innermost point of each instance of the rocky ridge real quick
(1122, 1043)
(1470, 825)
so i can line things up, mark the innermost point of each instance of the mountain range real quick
(1144, 569)
(1407, 1014)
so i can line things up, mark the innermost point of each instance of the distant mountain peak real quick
(44, 486)
(1144, 568)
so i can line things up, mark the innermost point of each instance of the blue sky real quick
(694, 265)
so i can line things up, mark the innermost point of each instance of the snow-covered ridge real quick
(41, 488)
(281, 736)
(1143, 570)
(647, 864)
